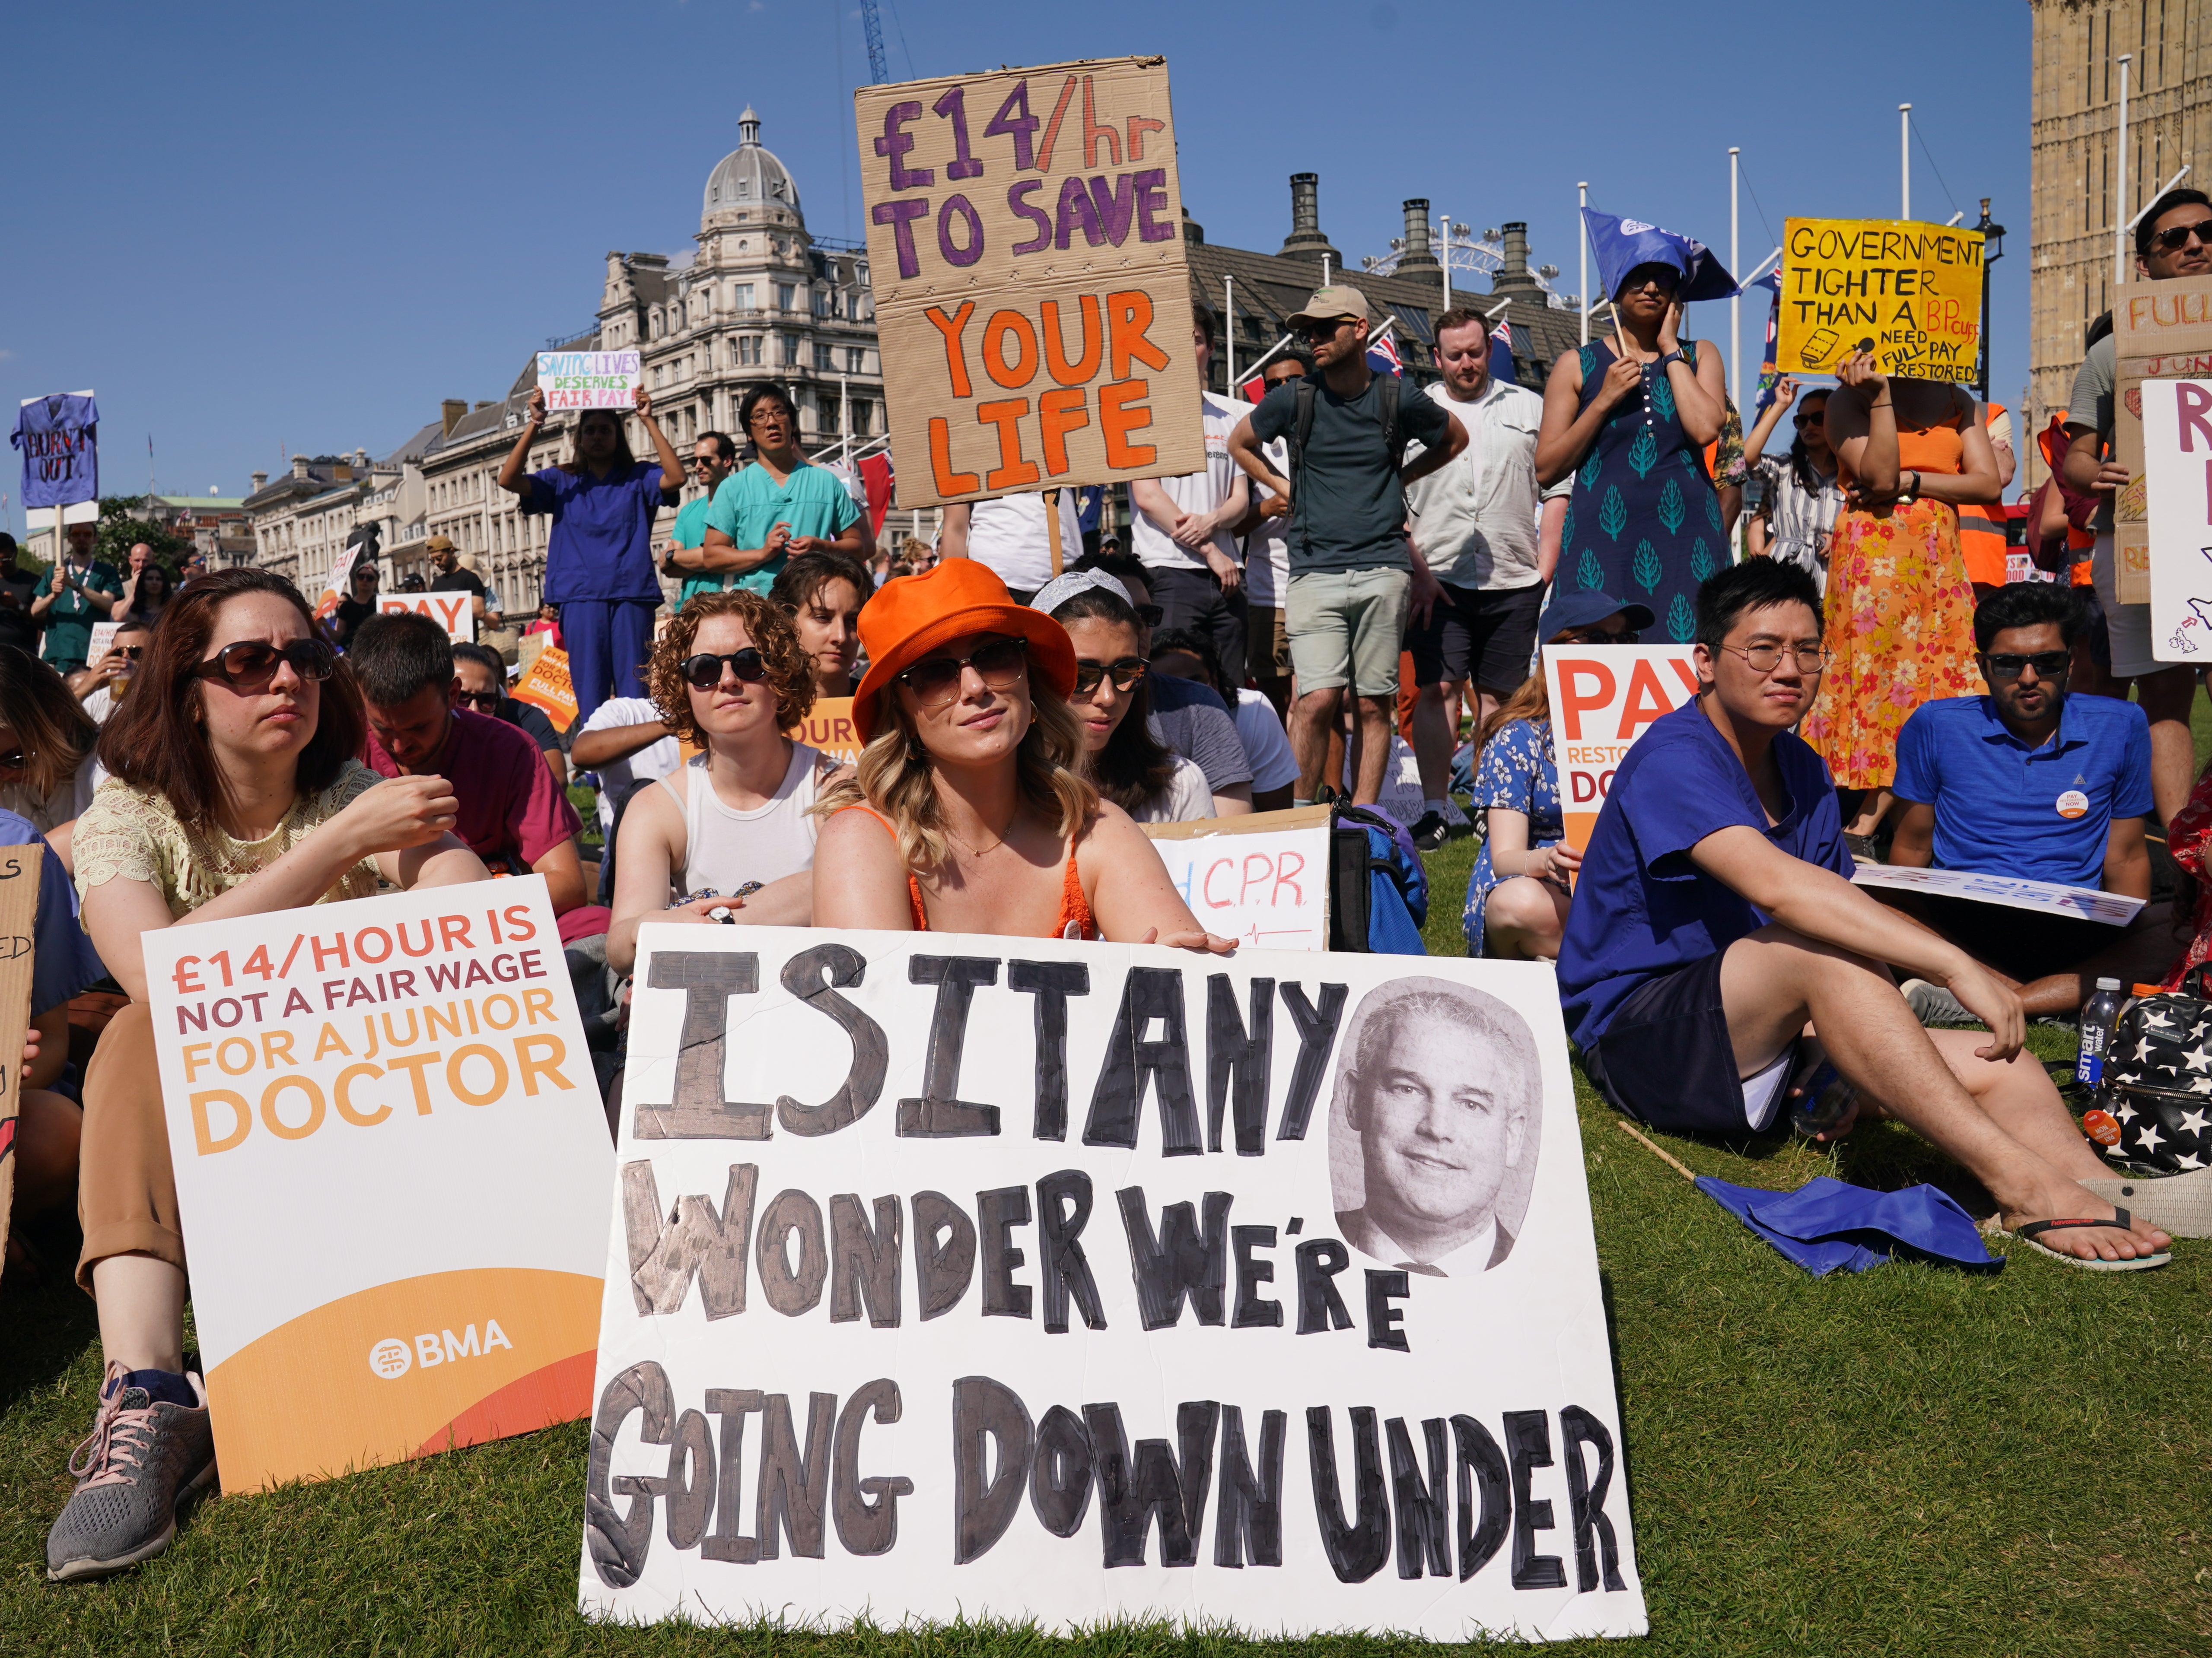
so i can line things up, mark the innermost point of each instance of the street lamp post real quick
(1992, 250)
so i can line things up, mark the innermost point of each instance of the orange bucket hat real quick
(912, 615)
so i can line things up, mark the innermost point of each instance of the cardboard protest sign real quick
(392, 1162)
(2162, 330)
(590, 379)
(456, 613)
(103, 639)
(546, 687)
(341, 577)
(984, 1276)
(1262, 879)
(1603, 698)
(59, 436)
(1912, 290)
(2175, 421)
(19, 915)
(1032, 293)
(2048, 896)
(828, 727)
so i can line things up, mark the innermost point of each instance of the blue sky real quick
(257, 227)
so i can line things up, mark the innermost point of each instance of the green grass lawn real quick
(1907, 1462)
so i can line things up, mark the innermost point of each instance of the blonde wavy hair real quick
(895, 776)
(790, 668)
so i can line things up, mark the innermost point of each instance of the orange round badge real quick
(2073, 804)
(2101, 1127)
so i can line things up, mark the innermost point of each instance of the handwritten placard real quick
(19, 915)
(1913, 290)
(1032, 292)
(1261, 879)
(456, 613)
(2048, 896)
(589, 379)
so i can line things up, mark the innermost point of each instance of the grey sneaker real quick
(1932, 1004)
(142, 1463)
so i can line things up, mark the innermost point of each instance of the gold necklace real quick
(974, 852)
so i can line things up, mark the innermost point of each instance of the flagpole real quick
(1736, 303)
(2120, 194)
(1904, 161)
(1447, 261)
(1229, 327)
(1582, 236)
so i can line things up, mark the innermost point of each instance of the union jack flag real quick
(1383, 356)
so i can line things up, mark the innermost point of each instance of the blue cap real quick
(1581, 608)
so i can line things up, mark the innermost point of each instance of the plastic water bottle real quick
(1823, 1104)
(2098, 1019)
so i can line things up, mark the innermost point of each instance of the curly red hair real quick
(790, 668)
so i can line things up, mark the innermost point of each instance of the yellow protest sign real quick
(1911, 293)
(1032, 289)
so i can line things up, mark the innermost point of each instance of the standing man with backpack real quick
(1354, 574)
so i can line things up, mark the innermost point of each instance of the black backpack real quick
(2158, 1083)
(1309, 391)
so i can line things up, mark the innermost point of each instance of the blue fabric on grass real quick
(1826, 1225)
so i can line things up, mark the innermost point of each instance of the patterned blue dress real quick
(1644, 521)
(1515, 772)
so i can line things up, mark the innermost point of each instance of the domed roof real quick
(749, 176)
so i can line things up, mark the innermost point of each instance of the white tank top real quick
(724, 848)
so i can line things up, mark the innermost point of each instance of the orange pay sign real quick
(1032, 289)
(1603, 698)
(546, 686)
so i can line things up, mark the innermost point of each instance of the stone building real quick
(301, 521)
(2075, 158)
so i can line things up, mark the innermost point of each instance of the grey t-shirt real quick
(2092, 405)
(1197, 725)
(1347, 509)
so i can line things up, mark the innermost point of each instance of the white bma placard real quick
(2177, 434)
(968, 1277)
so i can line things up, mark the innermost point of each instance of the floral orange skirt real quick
(1900, 629)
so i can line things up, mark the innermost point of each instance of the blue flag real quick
(1501, 354)
(1621, 245)
(1769, 371)
(59, 438)
(1383, 356)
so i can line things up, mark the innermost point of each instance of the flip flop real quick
(2179, 1204)
(2121, 1220)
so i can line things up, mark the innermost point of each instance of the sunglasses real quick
(251, 664)
(131, 652)
(703, 672)
(17, 758)
(1000, 664)
(2176, 238)
(2049, 665)
(1814, 417)
(1315, 333)
(484, 701)
(1150, 615)
(1126, 675)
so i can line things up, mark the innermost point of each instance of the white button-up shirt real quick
(1475, 521)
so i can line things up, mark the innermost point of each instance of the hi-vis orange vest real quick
(1982, 531)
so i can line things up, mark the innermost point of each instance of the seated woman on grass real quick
(1121, 757)
(1518, 893)
(238, 790)
(966, 814)
(737, 822)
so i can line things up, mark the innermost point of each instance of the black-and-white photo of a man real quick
(1443, 1093)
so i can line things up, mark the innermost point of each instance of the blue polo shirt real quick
(600, 545)
(1642, 908)
(812, 500)
(2002, 808)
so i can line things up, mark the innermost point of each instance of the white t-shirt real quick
(1195, 492)
(723, 848)
(1265, 744)
(1185, 799)
(1268, 548)
(1475, 520)
(657, 759)
(1008, 536)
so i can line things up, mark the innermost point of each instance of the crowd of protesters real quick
(1870, 687)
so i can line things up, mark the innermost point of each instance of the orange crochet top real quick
(1075, 919)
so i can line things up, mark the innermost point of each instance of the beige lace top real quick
(135, 834)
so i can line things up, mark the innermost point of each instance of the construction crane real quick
(878, 67)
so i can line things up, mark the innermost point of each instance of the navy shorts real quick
(1666, 1058)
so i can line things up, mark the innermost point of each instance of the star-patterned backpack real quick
(2158, 1083)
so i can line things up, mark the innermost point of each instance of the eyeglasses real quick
(483, 702)
(703, 672)
(2176, 237)
(703, 463)
(1766, 659)
(1665, 285)
(2049, 665)
(131, 652)
(1127, 674)
(17, 758)
(1814, 417)
(1322, 328)
(1000, 664)
(251, 664)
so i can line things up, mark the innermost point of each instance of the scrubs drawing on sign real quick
(1433, 1137)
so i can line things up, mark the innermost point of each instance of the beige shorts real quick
(1347, 628)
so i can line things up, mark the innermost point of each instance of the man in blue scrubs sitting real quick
(2031, 782)
(1715, 922)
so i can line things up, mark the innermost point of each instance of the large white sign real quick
(956, 1276)
(456, 613)
(392, 1162)
(2177, 441)
(2052, 899)
(590, 379)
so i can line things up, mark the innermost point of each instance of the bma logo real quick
(393, 1356)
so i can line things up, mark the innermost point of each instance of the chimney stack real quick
(299, 466)
(450, 411)
(1305, 241)
(261, 482)
(1415, 261)
(1513, 276)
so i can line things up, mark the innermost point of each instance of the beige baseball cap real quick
(1338, 300)
(438, 544)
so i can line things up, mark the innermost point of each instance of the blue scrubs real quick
(599, 569)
